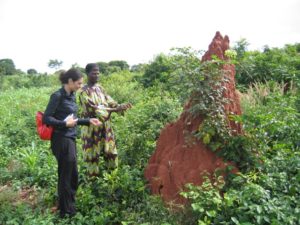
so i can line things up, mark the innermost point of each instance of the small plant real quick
(205, 210)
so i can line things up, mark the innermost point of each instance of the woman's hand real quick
(95, 122)
(71, 122)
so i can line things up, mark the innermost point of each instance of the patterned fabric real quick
(97, 141)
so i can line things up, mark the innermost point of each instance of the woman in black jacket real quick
(61, 113)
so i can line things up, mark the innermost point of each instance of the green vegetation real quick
(269, 192)
(265, 191)
(273, 64)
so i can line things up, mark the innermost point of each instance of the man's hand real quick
(95, 122)
(124, 107)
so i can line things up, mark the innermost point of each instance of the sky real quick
(82, 31)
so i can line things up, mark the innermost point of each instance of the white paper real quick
(70, 116)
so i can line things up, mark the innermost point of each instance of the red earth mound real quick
(176, 163)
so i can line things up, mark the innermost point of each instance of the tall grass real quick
(259, 93)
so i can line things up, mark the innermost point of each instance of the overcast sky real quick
(80, 31)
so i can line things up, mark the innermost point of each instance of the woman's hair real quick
(89, 67)
(73, 74)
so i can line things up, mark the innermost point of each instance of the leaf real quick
(211, 213)
(235, 220)
(206, 139)
(259, 209)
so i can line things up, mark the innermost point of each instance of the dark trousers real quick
(64, 149)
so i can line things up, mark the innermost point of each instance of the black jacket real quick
(62, 104)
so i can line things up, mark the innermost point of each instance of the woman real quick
(61, 114)
(100, 140)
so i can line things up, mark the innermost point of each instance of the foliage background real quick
(266, 191)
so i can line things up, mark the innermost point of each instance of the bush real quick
(157, 71)
(28, 81)
(277, 64)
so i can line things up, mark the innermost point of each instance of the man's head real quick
(92, 71)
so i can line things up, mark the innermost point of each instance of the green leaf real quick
(235, 220)
(206, 139)
(211, 213)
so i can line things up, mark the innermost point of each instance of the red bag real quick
(44, 131)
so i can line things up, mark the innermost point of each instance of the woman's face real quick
(93, 76)
(75, 85)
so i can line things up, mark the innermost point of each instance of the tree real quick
(55, 64)
(272, 64)
(78, 67)
(138, 68)
(241, 47)
(31, 71)
(114, 69)
(158, 70)
(103, 67)
(123, 65)
(7, 67)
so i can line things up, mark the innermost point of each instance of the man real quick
(99, 140)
